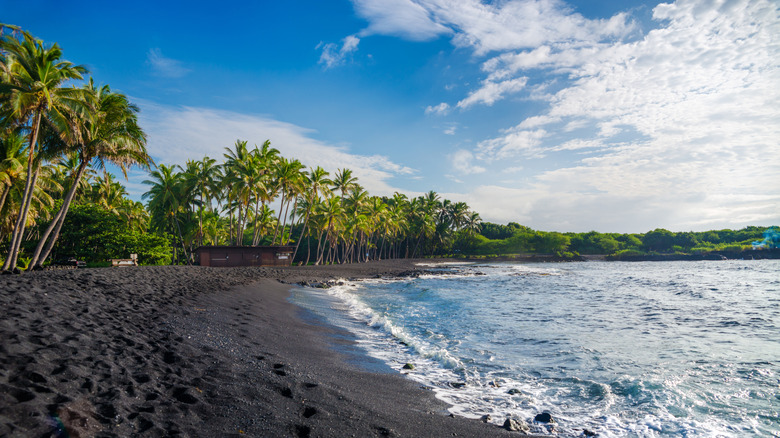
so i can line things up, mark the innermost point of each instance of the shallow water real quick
(657, 349)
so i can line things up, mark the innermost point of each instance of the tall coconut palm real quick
(33, 88)
(343, 181)
(109, 132)
(203, 178)
(318, 182)
(458, 213)
(473, 223)
(289, 180)
(244, 176)
(165, 202)
(332, 212)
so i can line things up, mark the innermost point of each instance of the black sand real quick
(194, 351)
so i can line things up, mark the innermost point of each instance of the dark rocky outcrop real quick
(544, 417)
(516, 426)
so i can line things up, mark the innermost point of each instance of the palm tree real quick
(41, 200)
(165, 202)
(33, 90)
(108, 133)
(11, 167)
(354, 207)
(458, 213)
(109, 194)
(236, 160)
(67, 163)
(318, 185)
(135, 215)
(343, 181)
(296, 189)
(195, 183)
(473, 223)
(332, 212)
(246, 173)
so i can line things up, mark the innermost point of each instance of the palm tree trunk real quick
(56, 223)
(230, 224)
(292, 220)
(21, 220)
(181, 239)
(255, 231)
(200, 221)
(242, 216)
(278, 219)
(22, 223)
(5, 195)
(417, 246)
(303, 231)
(319, 244)
(282, 240)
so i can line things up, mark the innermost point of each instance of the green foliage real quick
(517, 239)
(93, 234)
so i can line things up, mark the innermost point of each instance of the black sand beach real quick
(195, 351)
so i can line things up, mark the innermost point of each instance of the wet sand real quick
(195, 351)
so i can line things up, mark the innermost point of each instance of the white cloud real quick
(514, 142)
(404, 18)
(491, 92)
(684, 125)
(176, 134)
(537, 121)
(440, 109)
(518, 24)
(333, 55)
(165, 67)
(463, 162)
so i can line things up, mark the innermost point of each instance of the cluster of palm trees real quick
(256, 196)
(53, 133)
(59, 129)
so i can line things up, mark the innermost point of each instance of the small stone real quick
(514, 391)
(408, 366)
(457, 384)
(586, 432)
(513, 425)
(544, 418)
(486, 418)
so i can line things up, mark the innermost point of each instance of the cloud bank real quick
(678, 127)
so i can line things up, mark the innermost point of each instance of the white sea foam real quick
(616, 395)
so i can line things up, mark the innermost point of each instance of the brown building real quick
(226, 256)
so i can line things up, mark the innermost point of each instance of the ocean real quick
(646, 349)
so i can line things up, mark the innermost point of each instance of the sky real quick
(614, 116)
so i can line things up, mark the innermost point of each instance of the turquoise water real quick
(657, 349)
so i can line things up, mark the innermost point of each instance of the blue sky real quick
(591, 115)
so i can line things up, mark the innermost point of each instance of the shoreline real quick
(196, 351)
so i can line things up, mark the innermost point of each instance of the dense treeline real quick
(513, 238)
(235, 203)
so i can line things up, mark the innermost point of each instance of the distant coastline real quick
(756, 254)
